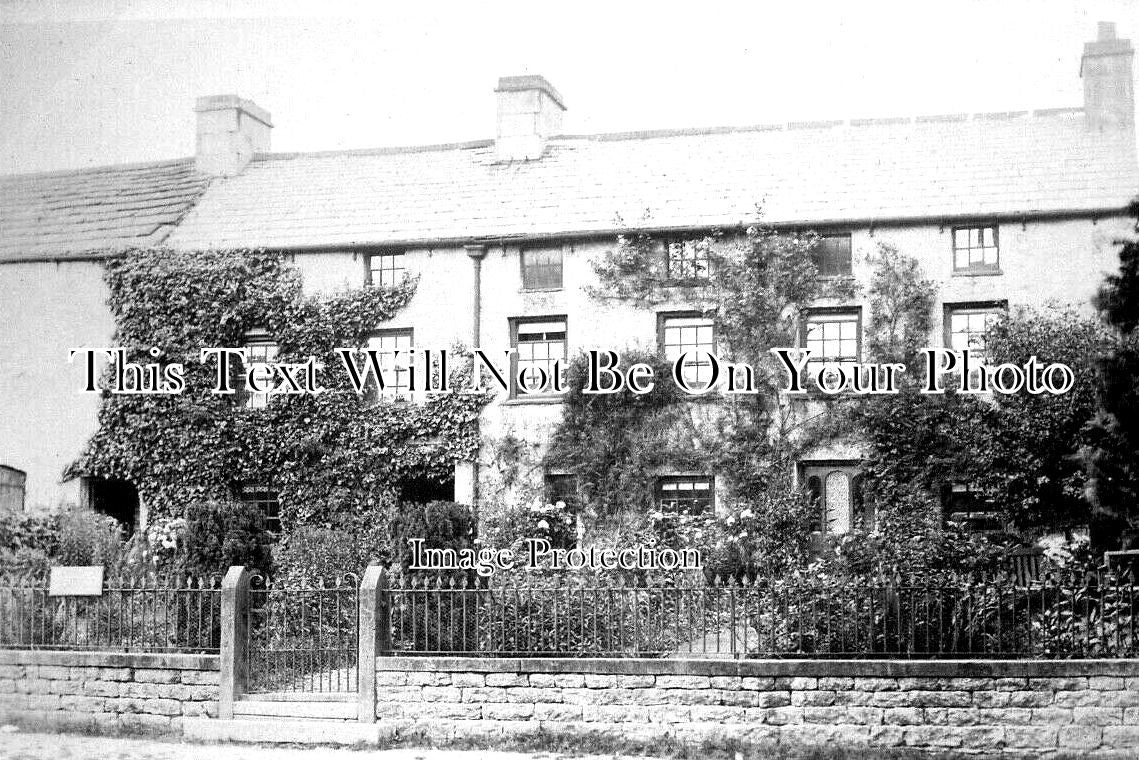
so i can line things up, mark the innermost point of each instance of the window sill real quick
(540, 290)
(704, 398)
(814, 394)
(546, 398)
(977, 273)
(696, 282)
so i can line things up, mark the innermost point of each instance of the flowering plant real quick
(553, 522)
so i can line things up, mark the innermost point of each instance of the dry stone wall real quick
(106, 692)
(1031, 708)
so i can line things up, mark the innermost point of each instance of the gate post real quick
(374, 636)
(234, 623)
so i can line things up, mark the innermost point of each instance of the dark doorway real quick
(117, 498)
(426, 490)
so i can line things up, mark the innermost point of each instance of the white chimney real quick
(230, 131)
(529, 112)
(1109, 90)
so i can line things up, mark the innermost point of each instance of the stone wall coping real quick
(163, 660)
(769, 668)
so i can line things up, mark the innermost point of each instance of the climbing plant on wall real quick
(332, 457)
(754, 287)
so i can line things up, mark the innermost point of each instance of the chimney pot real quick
(1109, 89)
(529, 113)
(230, 130)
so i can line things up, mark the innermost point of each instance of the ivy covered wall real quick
(329, 456)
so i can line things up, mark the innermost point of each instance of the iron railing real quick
(133, 614)
(952, 617)
(302, 634)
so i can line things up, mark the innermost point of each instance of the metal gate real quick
(302, 634)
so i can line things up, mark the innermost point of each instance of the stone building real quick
(1000, 208)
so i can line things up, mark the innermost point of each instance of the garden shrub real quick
(24, 561)
(432, 620)
(29, 530)
(88, 538)
(511, 525)
(615, 442)
(441, 525)
(221, 534)
(318, 551)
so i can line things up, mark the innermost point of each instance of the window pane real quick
(540, 345)
(685, 494)
(687, 260)
(694, 336)
(561, 488)
(832, 337)
(395, 366)
(387, 269)
(262, 350)
(832, 255)
(975, 248)
(263, 496)
(969, 328)
(542, 269)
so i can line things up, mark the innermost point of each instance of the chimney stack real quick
(230, 131)
(1109, 91)
(529, 112)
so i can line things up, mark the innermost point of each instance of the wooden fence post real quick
(234, 622)
(374, 637)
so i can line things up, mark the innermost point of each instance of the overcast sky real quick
(91, 83)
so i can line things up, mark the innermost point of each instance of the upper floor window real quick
(687, 260)
(540, 349)
(975, 249)
(541, 268)
(262, 350)
(394, 347)
(833, 335)
(386, 269)
(691, 334)
(688, 494)
(968, 326)
(832, 256)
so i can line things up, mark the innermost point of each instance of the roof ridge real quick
(831, 123)
(648, 134)
(380, 151)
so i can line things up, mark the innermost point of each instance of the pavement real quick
(20, 745)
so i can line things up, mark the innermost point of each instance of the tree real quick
(1016, 451)
(1111, 438)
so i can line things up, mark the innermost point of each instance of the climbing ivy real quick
(758, 282)
(333, 457)
(614, 442)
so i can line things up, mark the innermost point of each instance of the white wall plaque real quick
(79, 580)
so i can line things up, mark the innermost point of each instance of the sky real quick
(93, 83)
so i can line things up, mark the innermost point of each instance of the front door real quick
(835, 489)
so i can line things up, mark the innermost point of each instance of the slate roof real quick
(1024, 163)
(74, 214)
(870, 171)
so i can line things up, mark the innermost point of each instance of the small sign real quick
(79, 580)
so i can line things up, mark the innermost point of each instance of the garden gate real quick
(302, 634)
